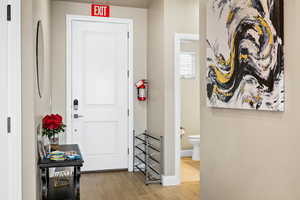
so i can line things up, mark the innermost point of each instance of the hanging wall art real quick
(245, 54)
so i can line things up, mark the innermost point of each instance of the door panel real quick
(100, 83)
(100, 73)
(109, 146)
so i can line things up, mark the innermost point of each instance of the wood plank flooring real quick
(130, 186)
(190, 170)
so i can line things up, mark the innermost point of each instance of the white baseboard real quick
(170, 181)
(186, 153)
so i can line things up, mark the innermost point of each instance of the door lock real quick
(75, 104)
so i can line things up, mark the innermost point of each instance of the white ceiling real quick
(127, 3)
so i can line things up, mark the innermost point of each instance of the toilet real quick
(195, 141)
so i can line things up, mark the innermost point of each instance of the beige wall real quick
(190, 98)
(33, 108)
(28, 131)
(249, 154)
(41, 11)
(59, 12)
(123, 3)
(155, 68)
(180, 17)
(165, 18)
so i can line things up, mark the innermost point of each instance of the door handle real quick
(76, 116)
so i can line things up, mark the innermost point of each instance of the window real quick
(187, 65)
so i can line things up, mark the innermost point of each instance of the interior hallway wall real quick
(59, 11)
(41, 12)
(165, 18)
(180, 17)
(29, 190)
(33, 107)
(253, 155)
(155, 68)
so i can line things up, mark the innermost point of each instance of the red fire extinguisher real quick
(141, 86)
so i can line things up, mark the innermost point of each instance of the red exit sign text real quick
(100, 10)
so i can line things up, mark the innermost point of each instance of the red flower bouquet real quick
(52, 125)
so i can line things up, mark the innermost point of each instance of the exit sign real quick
(100, 10)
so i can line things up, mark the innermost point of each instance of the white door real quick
(4, 137)
(99, 59)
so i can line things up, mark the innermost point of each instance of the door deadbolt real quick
(75, 104)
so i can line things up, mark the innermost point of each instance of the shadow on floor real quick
(130, 186)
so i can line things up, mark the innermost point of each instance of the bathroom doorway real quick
(187, 107)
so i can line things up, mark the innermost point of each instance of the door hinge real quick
(8, 12)
(128, 151)
(8, 125)
(128, 73)
(128, 35)
(128, 112)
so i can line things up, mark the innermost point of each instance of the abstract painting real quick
(245, 58)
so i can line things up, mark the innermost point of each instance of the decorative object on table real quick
(52, 126)
(245, 54)
(72, 155)
(61, 155)
(62, 178)
(57, 156)
(41, 150)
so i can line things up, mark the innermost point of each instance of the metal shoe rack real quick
(148, 157)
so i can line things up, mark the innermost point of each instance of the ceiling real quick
(126, 3)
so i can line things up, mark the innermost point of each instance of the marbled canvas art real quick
(245, 54)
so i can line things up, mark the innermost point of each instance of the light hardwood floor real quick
(130, 186)
(190, 170)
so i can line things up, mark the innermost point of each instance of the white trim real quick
(177, 98)
(129, 22)
(130, 97)
(15, 100)
(170, 180)
(186, 153)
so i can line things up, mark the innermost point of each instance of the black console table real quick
(71, 192)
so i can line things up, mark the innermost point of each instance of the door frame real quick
(177, 98)
(15, 98)
(129, 22)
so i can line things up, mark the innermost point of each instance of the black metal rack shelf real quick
(148, 157)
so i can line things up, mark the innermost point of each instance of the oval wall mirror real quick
(40, 58)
